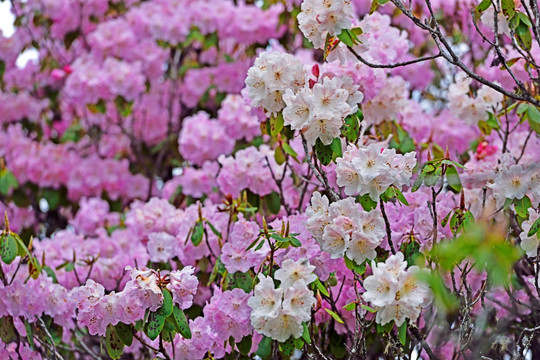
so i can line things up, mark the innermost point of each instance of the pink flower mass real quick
(295, 179)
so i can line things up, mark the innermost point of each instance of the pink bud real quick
(315, 70)
(58, 74)
(312, 83)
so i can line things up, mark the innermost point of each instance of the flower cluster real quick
(247, 170)
(318, 111)
(319, 18)
(271, 76)
(396, 291)
(279, 312)
(372, 169)
(469, 109)
(342, 228)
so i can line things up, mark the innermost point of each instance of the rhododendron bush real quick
(270, 179)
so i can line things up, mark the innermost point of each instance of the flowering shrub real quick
(327, 179)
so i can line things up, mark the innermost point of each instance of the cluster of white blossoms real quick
(270, 76)
(321, 17)
(395, 291)
(467, 108)
(319, 112)
(342, 228)
(279, 313)
(514, 181)
(316, 107)
(530, 243)
(372, 169)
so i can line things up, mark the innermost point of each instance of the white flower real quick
(318, 215)
(272, 74)
(330, 99)
(292, 271)
(530, 243)
(335, 240)
(283, 326)
(511, 183)
(266, 300)
(297, 112)
(323, 128)
(361, 248)
(381, 287)
(396, 291)
(161, 246)
(145, 278)
(370, 161)
(299, 300)
(320, 17)
(371, 225)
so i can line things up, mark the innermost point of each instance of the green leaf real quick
(321, 288)
(181, 322)
(214, 230)
(369, 309)
(295, 242)
(244, 346)
(524, 37)
(156, 321)
(305, 334)
(2, 71)
(401, 197)
(29, 334)
(197, 234)
(265, 348)
(273, 201)
(98, 108)
(289, 150)
(418, 182)
(125, 333)
(336, 147)
(276, 124)
(166, 308)
(453, 178)
(115, 346)
(386, 328)
(334, 315)
(287, 347)
(374, 6)
(70, 37)
(279, 156)
(360, 269)
(351, 128)
(346, 38)
(7, 330)
(367, 203)
(534, 228)
(402, 331)
(350, 306)
(508, 8)
(7, 182)
(50, 273)
(324, 152)
(53, 197)
(243, 281)
(522, 206)
(483, 6)
(124, 107)
(8, 249)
